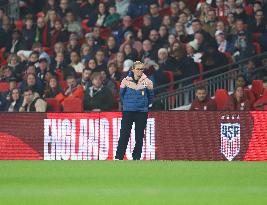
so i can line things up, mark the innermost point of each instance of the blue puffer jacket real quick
(136, 96)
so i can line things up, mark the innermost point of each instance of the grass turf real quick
(132, 182)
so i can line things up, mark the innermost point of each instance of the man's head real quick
(40, 22)
(31, 80)
(28, 95)
(43, 64)
(127, 21)
(71, 81)
(86, 74)
(259, 15)
(201, 93)
(147, 46)
(154, 9)
(97, 79)
(196, 25)
(183, 18)
(211, 16)
(153, 35)
(100, 56)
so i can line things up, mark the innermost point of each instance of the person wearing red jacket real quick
(202, 101)
(238, 101)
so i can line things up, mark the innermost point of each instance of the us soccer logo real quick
(230, 140)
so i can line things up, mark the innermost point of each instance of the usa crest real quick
(230, 139)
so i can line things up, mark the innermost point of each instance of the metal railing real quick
(184, 95)
(12, 9)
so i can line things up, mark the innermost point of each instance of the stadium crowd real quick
(72, 54)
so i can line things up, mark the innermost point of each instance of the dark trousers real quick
(128, 118)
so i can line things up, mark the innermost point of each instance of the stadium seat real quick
(53, 105)
(170, 76)
(257, 88)
(221, 98)
(72, 104)
(257, 47)
(256, 36)
(229, 57)
(4, 86)
(19, 24)
(260, 103)
(84, 26)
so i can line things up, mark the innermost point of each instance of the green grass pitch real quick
(132, 182)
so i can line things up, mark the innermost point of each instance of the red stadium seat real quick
(257, 88)
(72, 104)
(229, 57)
(261, 102)
(256, 36)
(53, 105)
(19, 24)
(84, 25)
(4, 86)
(221, 98)
(257, 47)
(170, 76)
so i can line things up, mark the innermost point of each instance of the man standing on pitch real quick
(136, 93)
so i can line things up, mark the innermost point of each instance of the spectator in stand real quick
(7, 74)
(16, 43)
(2, 102)
(109, 83)
(156, 18)
(63, 8)
(96, 35)
(50, 18)
(5, 32)
(138, 8)
(92, 44)
(251, 71)
(15, 65)
(61, 68)
(166, 21)
(129, 52)
(42, 69)
(119, 61)
(88, 8)
(112, 47)
(59, 33)
(231, 24)
(73, 89)
(192, 51)
(210, 25)
(231, 4)
(85, 79)
(32, 102)
(237, 101)
(241, 14)
(241, 81)
(203, 102)
(243, 46)
(222, 9)
(112, 18)
(148, 51)
(42, 35)
(113, 71)
(98, 18)
(213, 59)
(101, 64)
(154, 39)
(181, 33)
(165, 62)
(223, 44)
(34, 83)
(126, 26)
(75, 62)
(163, 35)
(73, 44)
(258, 24)
(15, 101)
(72, 25)
(28, 33)
(53, 89)
(174, 13)
(122, 6)
(98, 97)
(50, 4)
(143, 32)
(91, 64)
(12, 84)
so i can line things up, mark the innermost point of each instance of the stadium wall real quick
(175, 135)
